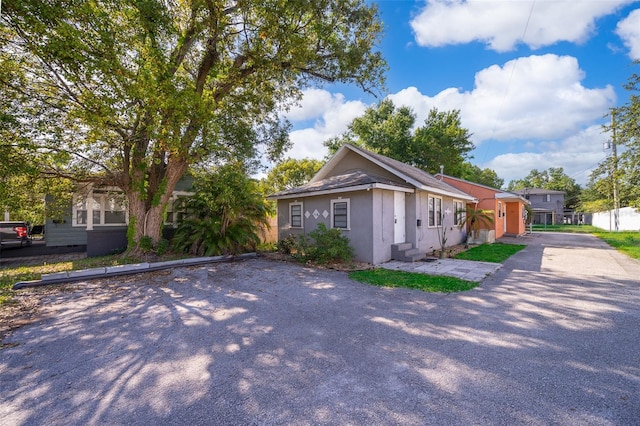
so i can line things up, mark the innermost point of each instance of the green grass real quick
(430, 283)
(574, 229)
(627, 242)
(10, 275)
(496, 252)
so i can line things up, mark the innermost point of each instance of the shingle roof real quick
(414, 173)
(407, 177)
(499, 192)
(350, 179)
(538, 191)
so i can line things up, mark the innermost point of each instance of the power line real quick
(513, 70)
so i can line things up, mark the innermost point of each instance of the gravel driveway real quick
(551, 338)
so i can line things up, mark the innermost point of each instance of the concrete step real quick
(402, 246)
(405, 252)
(412, 255)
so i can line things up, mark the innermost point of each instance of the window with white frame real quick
(340, 213)
(459, 212)
(115, 209)
(435, 211)
(175, 210)
(295, 215)
(547, 198)
(106, 209)
(81, 208)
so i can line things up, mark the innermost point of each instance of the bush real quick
(286, 245)
(223, 216)
(162, 247)
(324, 246)
(146, 244)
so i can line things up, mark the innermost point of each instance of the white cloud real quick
(503, 24)
(578, 155)
(629, 31)
(313, 103)
(331, 115)
(536, 97)
(535, 103)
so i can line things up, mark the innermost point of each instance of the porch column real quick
(90, 211)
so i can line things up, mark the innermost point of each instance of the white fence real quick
(629, 220)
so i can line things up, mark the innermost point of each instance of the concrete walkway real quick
(464, 269)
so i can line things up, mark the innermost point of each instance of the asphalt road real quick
(551, 338)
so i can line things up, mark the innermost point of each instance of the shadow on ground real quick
(264, 342)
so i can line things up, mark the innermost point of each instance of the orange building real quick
(509, 211)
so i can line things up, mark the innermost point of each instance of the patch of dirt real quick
(450, 252)
(40, 260)
(338, 266)
(23, 308)
(24, 305)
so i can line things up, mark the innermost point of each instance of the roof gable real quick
(350, 181)
(413, 176)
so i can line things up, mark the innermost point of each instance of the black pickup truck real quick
(14, 234)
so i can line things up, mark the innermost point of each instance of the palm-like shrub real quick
(472, 219)
(224, 215)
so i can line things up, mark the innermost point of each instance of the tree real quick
(223, 216)
(486, 176)
(290, 173)
(597, 195)
(133, 93)
(442, 141)
(625, 128)
(383, 128)
(553, 179)
(388, 130)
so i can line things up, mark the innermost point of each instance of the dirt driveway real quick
(552, 338)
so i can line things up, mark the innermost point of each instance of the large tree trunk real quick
(146, 209)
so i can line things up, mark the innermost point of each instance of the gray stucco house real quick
(386, 208)
(547, 205)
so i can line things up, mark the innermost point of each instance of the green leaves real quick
(223, 216)
(290, 173)
(389, 130)
(323, 245)
(624, 130)
(136, 91)
(554, 179)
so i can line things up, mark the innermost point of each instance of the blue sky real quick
(533, 80)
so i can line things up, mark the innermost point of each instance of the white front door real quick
(504, 220)
(398, 217)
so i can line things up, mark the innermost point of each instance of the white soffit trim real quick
(511, 197)
(341, 190)
(448, 194)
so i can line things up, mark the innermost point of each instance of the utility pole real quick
(614, 173)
